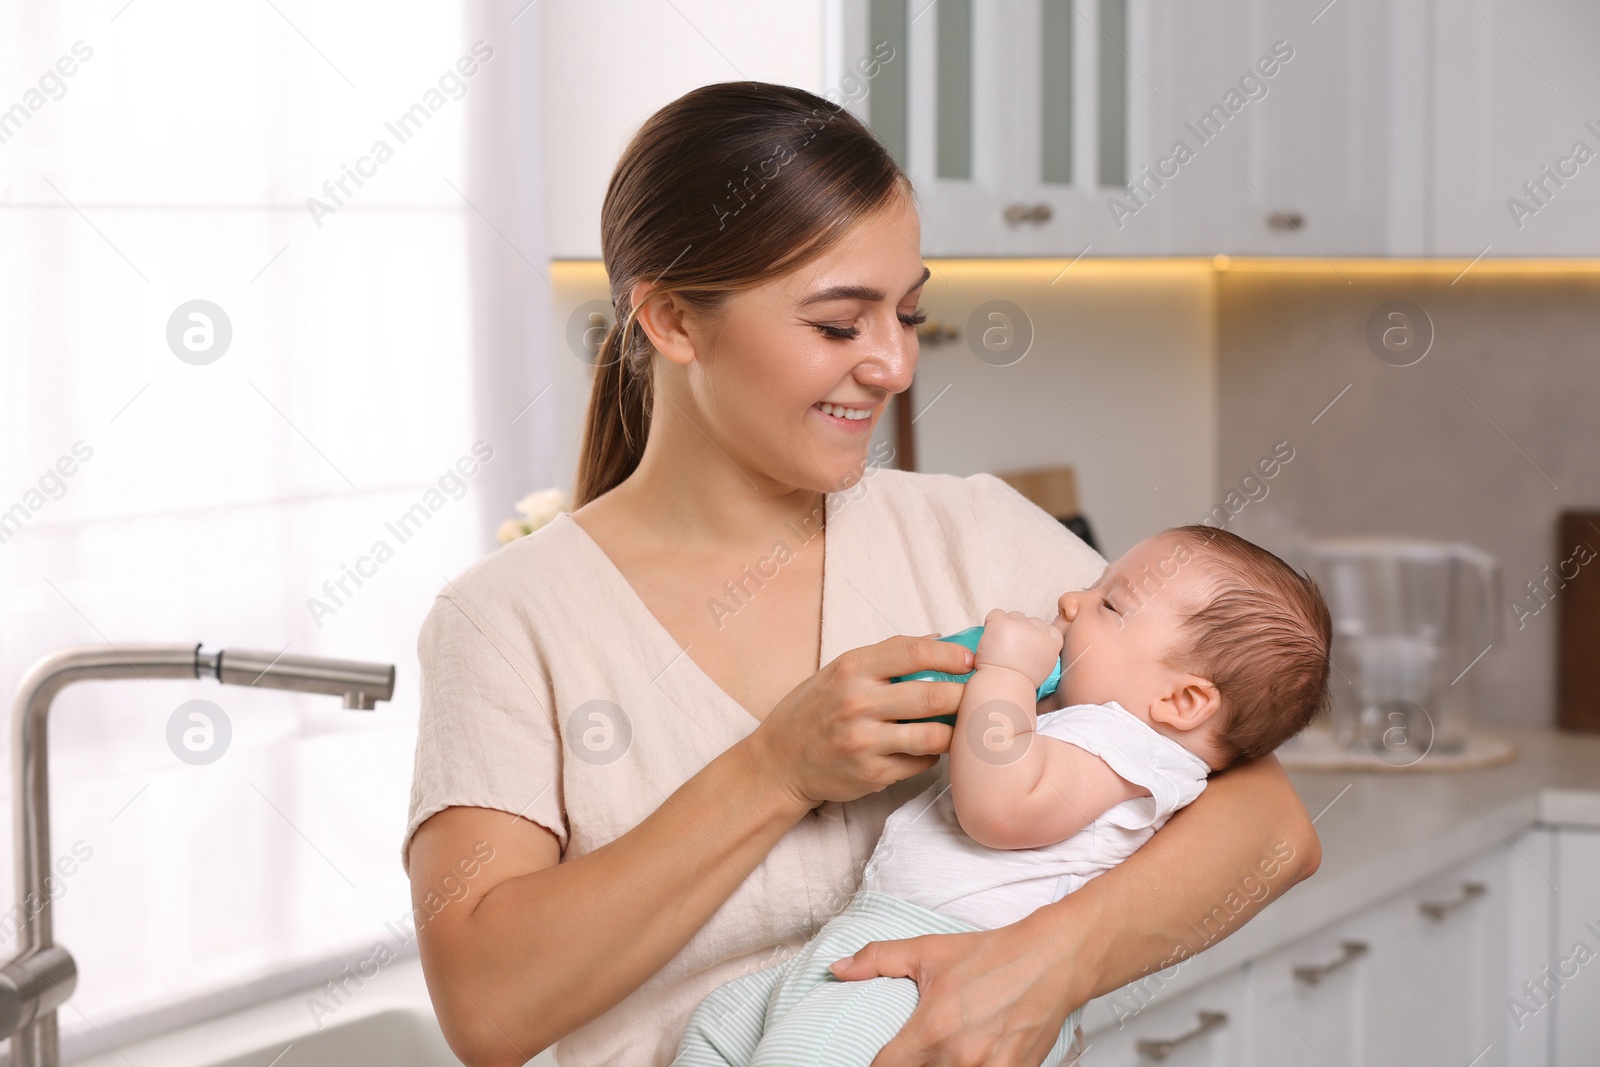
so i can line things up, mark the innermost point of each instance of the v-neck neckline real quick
(831, 529)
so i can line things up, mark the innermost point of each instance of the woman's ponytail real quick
(619, 415)
(726, 188)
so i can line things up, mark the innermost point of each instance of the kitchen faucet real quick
(42, 975)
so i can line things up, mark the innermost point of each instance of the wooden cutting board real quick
(1578, 619)
(1054, 489)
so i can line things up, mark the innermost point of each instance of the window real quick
(307, 172)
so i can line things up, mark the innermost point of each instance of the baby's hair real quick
(1262, 638)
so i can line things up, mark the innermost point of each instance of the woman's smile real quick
(851, 420)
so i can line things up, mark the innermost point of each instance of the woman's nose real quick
(893, 363)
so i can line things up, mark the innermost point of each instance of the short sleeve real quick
(1033, 558)
(486, 737)
(1174, 775)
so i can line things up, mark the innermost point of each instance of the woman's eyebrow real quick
(843, 292)
(857, 292)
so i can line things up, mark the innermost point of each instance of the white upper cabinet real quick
(1195, 127)
(1318, 150)
(1516, 133)
(1138, 127)
(1274, 125)
(1013, 118)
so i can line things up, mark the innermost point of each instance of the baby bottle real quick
(969, 639)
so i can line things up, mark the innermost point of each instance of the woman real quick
(669, 726)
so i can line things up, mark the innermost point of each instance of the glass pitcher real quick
(1411, 620)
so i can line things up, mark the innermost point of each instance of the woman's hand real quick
(991, 997)
(834, 737)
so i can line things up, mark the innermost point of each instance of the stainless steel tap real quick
(42, 975)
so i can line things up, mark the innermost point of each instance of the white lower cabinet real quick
(1305, 1000)
(1527, 1026)
(1434, 977)
(1418, 978)
(1199, 1028)
(1570, 972)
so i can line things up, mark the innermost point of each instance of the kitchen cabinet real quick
(1306, 998)
(1415, 979)
(1418, 977)
(1136, 127)
(1286, 121)
(1573, 958)
(1532, 892)
(1199, 1028)
(1011, 117)
(1139, 127)
(1151, 127)
(1435, 971)
(1516, 131)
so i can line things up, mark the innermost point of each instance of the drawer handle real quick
(1160, 1050)
(1438, 909)
(1311, 974)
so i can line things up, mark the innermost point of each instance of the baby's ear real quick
(1189, 704)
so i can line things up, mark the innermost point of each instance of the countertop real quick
(1385, 830)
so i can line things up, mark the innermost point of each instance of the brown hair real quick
(727, 187)
(1262, 639)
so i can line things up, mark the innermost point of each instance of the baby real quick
(1194, 651)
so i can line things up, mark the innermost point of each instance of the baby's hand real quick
(1021, 642)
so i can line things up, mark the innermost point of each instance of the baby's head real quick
(1213, 641)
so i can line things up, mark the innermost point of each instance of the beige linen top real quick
(516, 650)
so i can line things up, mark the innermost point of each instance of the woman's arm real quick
(598, 924)
(1213, 866)
(999, 997)
(531, 949)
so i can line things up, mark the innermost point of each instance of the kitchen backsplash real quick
(1485, 438)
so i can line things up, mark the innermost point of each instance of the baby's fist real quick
(1019, 641)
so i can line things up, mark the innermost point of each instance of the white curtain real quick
(356, 187)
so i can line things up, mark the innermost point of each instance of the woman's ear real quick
(660, 315)
(1189, 704)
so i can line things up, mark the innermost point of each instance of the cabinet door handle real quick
(1160, 1050)
(1313, 973)
(934, 332)
(1438, 909)
(1017, 214)
(1291, 221)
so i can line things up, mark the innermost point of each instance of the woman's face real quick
(792, 376)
